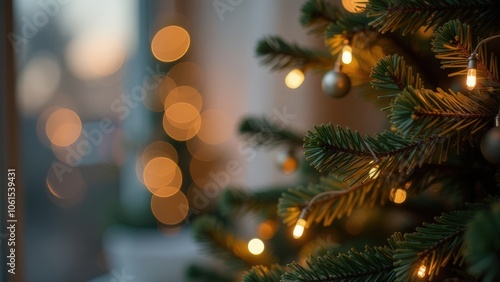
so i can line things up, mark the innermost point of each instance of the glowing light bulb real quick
(421, 271)
(398, 195)
(299, 228)
(256, 246)
(471, 78)
(347, 54)
(374, 171)
(294, 78)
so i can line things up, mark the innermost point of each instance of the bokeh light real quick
(181, 134)
(63, 127)
(182, 115)
(170, 210)
(65, 182)
(214, 127)
(256, 246)
(199, 170)
(294, 78)
(289, 165)
(187, 74)
(38, 82)
(353, 6)
(201, 150)
(184, 94)
(72, 154)
(162, 177)
(160, 86)
(159, 148)
(267, 229)
(91, 56)
(170, 43)
(156, 149)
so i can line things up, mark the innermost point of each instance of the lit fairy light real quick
(347, 54)
(421, 271)
(256, 246)
(298, 230)
(398, 195)
(374, 171)
(353, 6)
(294, 78)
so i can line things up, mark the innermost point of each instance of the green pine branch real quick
(198, 273)
(419, 114)
(409, 16)
(264, 132)
(351, 157)
(435, 244)
(279, 54)
(335, 206)
(452, 44)
(238, 201)
(220, 241)
(346, 29)
(482, 250)
(260, 273)
(318, 14)
(373, 264)
(391, 75)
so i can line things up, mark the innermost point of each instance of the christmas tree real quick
(428, 65)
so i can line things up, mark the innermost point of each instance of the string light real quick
(256, 246)
(347, 54)
(294, 78)
(472, 63)
(421, 271)
(471, 74)
(398, 196)
(301, 223)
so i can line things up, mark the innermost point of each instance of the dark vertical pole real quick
(12, 199)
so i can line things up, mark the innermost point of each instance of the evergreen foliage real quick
(433, 144)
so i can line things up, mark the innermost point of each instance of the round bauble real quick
(336, 84)
(490, 145)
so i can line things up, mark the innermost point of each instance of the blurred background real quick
(128, 119)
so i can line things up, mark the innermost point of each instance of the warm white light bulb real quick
(299, 228)
(471, 78)
(421, 271)
(294, 78)
(256, 246)
(398, 196)
(347, 54)
(374, 171)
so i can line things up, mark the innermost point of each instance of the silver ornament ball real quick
(336, 84)
(490, 145)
